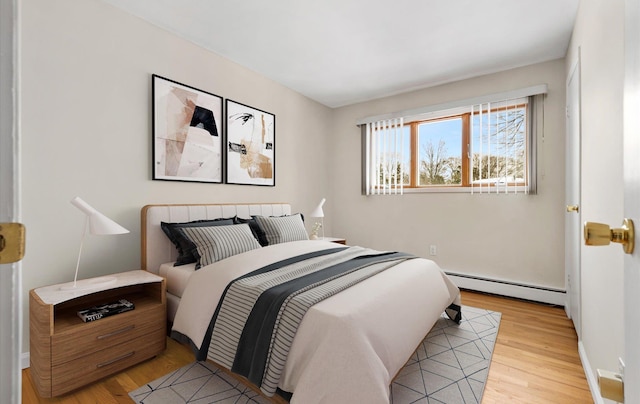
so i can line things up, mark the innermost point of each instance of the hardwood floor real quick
(535, 360)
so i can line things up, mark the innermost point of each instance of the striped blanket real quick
(253, 326)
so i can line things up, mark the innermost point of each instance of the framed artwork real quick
(187, 133)
(250, 144)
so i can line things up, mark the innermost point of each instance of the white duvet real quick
(348, 347)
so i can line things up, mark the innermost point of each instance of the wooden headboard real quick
(156, 247)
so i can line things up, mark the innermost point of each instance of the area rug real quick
(450, 366)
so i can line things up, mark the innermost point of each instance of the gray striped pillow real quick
(215, 243)
(283, 229)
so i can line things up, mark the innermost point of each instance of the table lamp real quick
(98, 224)
(317, 212)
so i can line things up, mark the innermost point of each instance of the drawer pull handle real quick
(119, 358)
(120, 331)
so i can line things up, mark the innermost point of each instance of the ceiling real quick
(340, 52)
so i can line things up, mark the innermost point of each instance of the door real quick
(632, 199)
(10, 274)
(572, 198)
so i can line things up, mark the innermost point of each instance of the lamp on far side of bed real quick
(317, 212)
(98, 224)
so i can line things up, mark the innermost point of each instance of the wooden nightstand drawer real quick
(81, 371)
(106, 332)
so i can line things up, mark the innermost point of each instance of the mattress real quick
(177, 277)
(176, 281)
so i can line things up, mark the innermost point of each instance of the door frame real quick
(573, 281)
(10, 274)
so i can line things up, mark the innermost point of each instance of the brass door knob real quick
(573, 208)
(12, 236)
(602, 234)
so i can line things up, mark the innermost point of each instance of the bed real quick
(356, 332)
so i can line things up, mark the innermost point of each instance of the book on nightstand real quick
(105, 310)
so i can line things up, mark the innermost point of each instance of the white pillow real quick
(215, 243)
(283, 229)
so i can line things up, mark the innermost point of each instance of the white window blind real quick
(486, 144)
(383, 157)
(500, 147)
(428, 111)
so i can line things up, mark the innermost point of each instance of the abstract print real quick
(187, 138)
(250, 145)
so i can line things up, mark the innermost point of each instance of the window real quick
(480, 148)
(439, 151)
(500, 139)
(485, 146)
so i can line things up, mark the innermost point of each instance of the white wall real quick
(599, 34)
(518, 238)
(86, 131)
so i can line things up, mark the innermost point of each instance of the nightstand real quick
(67, 353)
(334, 240)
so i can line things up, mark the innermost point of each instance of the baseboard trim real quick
(25, 360)
(503, 287)
(591, 378)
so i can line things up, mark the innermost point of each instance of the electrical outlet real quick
(433, 250)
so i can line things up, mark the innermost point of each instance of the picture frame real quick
(250, 145)
(187, 133)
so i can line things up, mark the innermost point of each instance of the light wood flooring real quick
(535, 360)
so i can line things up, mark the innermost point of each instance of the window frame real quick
(466, 159)
(414, 135)
(534, 96)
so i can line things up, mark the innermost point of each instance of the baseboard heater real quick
(503, 287)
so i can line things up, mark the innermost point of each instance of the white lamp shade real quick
(317, 212)
(83, 206)
(99, 224)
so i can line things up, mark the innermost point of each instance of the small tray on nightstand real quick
(333, 239)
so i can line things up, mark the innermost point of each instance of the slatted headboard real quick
(156, 247)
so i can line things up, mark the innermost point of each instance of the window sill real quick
(461, 190)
